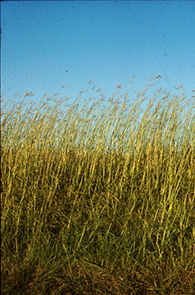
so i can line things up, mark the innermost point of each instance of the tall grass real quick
(98, 197)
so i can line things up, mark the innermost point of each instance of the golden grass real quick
(98, 197)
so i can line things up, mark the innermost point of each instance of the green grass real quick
(98, 197)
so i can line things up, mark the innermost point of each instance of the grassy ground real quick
(98, 197)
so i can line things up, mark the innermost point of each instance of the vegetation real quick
(98, 197)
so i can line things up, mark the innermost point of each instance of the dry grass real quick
(98, 197)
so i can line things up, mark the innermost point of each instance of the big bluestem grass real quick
(98, 197)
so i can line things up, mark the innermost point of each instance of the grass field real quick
(98, 196)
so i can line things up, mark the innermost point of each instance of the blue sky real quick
(58, 46)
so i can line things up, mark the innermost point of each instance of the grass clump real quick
(98, 197)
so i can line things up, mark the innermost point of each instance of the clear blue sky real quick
(49, 44)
